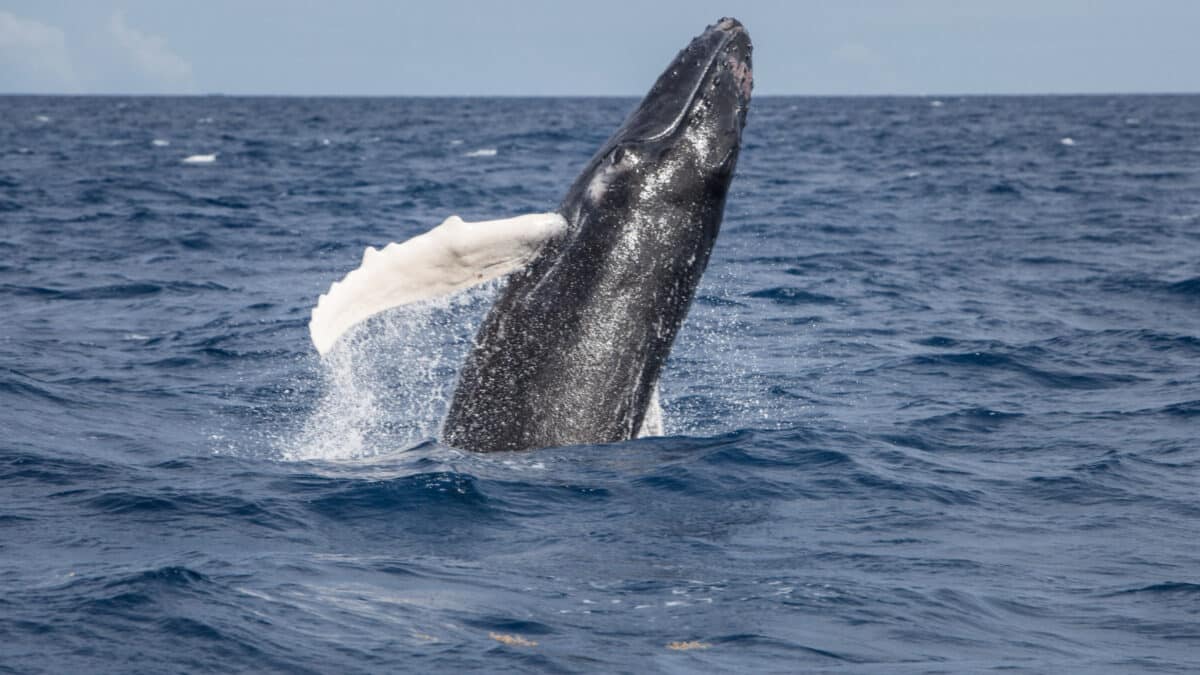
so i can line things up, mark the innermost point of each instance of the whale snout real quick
(737, 59)
(734, 71)
(729, 24)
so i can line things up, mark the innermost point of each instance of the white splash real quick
(387, 385)
(160, 142)
(482, 152)
(712, 381)
(1068, 141)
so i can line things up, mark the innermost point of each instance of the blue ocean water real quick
(935, 409)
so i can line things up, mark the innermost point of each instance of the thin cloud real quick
(34, 57)
(151, 56)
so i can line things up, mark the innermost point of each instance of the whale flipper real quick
(450, 257)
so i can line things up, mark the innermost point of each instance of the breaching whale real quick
(571, 351)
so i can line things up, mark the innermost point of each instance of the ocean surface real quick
(935, 410)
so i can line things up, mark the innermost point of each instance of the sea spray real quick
(386, 387)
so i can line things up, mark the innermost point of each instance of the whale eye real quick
(623, 155)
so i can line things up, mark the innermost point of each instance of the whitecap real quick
(936, 104)
(1068, 141)
(200, 159)
(456, 141)
(482, 152)
(160, 142)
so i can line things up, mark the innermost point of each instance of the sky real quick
(599, 47)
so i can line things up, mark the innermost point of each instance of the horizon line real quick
(589, 96)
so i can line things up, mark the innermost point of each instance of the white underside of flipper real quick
(450, 257)
(652, 422)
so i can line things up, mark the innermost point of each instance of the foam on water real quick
(200, 159)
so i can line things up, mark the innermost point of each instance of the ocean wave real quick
(785, 295)
(1188, 288)
(964, 362)
(932, 408)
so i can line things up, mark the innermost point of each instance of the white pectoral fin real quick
(450, 257)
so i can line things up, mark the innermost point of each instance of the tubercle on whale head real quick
(739, 62)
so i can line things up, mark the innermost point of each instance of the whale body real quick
(571, 351)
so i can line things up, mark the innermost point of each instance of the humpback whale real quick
(572, 349)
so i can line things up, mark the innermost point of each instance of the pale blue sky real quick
(602, 47)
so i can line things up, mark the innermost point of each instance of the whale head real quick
(681, 143)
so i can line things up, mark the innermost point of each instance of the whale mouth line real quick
(691, 98)
(723, 57)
